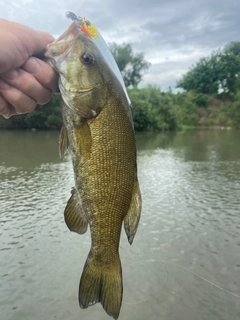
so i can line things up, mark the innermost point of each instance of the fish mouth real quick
(62, 43)
(79, 25)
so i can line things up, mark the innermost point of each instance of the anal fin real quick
(133, 216)
(74, 215)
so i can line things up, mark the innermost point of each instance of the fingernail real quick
(12, 74)
(7, 116)
(32, 66)
(3, 85)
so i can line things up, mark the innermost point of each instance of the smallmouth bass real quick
(99, 134)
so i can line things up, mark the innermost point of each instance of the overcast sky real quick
(172, 34)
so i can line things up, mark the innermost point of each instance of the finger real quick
(6, 110)
(43, 73)
(19, 101)
(25, 82)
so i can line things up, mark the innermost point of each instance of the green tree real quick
(132, 65)
(220, 71)
(153, 110)
(233, 47)
(230, 67)
(202, 77)
(47, 116)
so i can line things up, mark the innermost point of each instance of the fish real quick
(98, 132)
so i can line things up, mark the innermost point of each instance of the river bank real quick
(153, 110)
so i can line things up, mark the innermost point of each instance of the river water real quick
(185, 259)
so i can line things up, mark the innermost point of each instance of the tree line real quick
(211, 95)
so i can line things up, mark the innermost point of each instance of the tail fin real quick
(102, 283)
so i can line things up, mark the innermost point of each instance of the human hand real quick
(25, 80)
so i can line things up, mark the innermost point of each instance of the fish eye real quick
(87, 59)
(88, 23)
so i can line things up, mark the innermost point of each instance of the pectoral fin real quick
(132, 218)
(74, 214)
(63, 142)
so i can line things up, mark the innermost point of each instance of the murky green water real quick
(189, 230)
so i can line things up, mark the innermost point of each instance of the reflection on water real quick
(190, 225)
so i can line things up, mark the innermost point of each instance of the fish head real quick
(84, 74)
